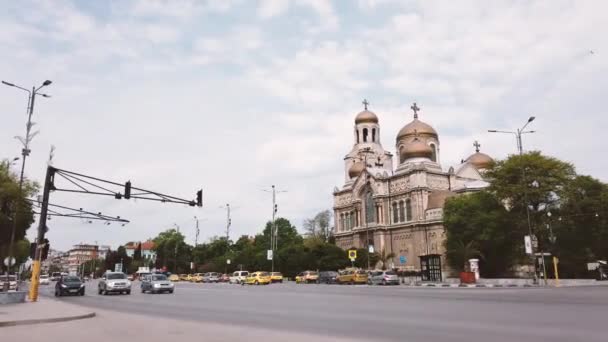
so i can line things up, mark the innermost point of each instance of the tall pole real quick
(272, 226)
(24, 153)
(228, 222)
(35, 281)
(197, 232)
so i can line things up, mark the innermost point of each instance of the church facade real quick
(396, 204)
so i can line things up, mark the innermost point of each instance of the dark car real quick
(327, 277)
(69, 285)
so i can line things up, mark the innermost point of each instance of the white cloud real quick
(271, 8)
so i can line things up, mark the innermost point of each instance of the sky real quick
(233, 96)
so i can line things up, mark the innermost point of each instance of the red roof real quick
(148, 245)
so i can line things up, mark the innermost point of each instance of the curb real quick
(445, 285)
(45, 320)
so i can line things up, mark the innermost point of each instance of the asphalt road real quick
(378, 313)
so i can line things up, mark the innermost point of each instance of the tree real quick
(319, 226)
(137, 252)
(172, 252)
(117, 257)
(482, 219)
(459, 254)
(384, 258)
(11, 201)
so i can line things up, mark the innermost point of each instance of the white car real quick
(238, 277)
(114, 282)
(44, 279)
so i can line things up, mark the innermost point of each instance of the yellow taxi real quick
(307, 277)
(352, 276)
(197, 278)
(276, 277)
(183, 277)
(174, 277)
(258, 278)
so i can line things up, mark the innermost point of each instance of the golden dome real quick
(356, 169)
(416, 126)
(480, 160)
(366, 117)
(416, 149)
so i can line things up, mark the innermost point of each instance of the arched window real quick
(369, 208)
(350, 221)
(401, 212)
(373, 135)
(434, 154)
(342, 228)
(365, 135)
(395, 213)
(357, 135)
(401, 157)
(408, 209)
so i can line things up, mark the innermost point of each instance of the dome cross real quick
(415, 108)
(365, 103)
(477, 145)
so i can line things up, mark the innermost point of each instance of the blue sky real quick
(235, 96)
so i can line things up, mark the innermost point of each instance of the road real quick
(378, 313)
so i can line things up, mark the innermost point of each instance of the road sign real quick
(352, 254)
(371, 248)
(402, 259)
(269, 254)
(228, 261)
(117, 267)
(528, 244)
(12, 261)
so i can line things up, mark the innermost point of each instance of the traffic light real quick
(45, 249)
(32, 250)
(199, 198)
(127, 190)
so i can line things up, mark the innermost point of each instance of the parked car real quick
(44, 279)
(211, 277)
(55, 276)
(384, 278)
(276, 277)
(69, 285)
(307, 277)
(197, 278)
(183, 277)
(327, 277)
(156, 283)
(258, 278)
(13, 284)
(174, 278)
(224, 278)
(114, 282)
(352, 276)
(238, 277)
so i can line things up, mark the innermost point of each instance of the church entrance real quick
(430, 267)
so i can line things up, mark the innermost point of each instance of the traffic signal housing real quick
(199, 198)
(127, 190)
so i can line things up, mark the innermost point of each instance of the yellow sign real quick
(352, 254)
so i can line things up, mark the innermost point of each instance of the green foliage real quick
(137, 252)
(172, 252)
(479, 218)
(319, 226)
(385, 258)
(11, 201)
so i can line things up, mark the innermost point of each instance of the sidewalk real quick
(45, 310)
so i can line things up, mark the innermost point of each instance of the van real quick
(238, 277)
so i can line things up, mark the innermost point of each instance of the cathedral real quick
(400, 209)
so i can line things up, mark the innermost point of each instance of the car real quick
(211, 277)
(13, 283)
(69, 285)
(258, 278)
(174, 278)
(352, 276)
(156, 283)
(327, 277)
(55, 276)
(183, 277)
(276, 277)
(307, 277)
(131, 277)
(44, 279)
(114, 282)
(238, 277)
(383, 278)
(197, 278)
(224, 278)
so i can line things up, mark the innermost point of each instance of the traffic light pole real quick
(35, 281)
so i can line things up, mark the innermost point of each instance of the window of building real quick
(369, 208)
(408, 209)
(365, 135)
(401, 212)
(434, 152)
(357, 135)
(395, 213)
(373, 135)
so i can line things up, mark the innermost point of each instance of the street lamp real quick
(366, 151)
(518, 133)
(25, 151)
